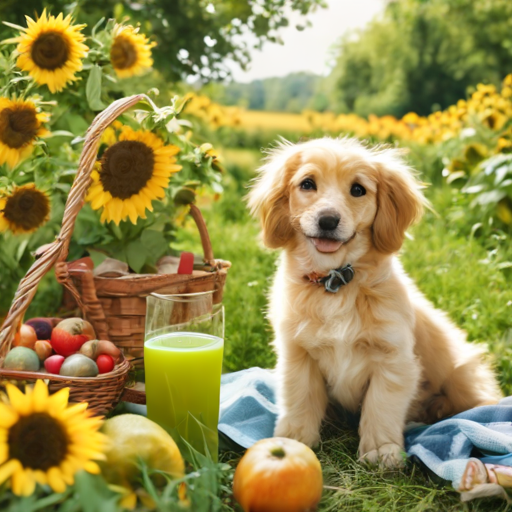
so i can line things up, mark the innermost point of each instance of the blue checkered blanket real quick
(481, 436)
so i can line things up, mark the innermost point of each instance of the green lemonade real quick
(183, 386)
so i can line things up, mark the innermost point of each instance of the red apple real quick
(70, 334)
(105, 363)
(53, 364)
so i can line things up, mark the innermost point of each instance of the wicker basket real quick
(117, 305)
(99, 304)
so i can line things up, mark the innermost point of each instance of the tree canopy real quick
(195, 37)
(423, 55)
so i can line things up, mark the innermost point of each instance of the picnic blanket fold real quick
(473, 449)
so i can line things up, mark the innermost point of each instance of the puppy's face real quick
(331, 200)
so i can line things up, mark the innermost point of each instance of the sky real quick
(308, 50)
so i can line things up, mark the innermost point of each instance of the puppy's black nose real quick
(328, 222)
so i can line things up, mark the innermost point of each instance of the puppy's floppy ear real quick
(269, 197)
(400, 201)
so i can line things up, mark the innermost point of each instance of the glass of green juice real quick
(183, 349)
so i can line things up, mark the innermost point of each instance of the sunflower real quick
(20, 124)
(131, 173)
(24, 210)
(130, 53)
(44, 440)
(51, 50)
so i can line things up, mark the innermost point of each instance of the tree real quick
(195, 37)
(423, 55)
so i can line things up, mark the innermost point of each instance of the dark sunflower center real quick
(123, 54)
(27, 208)
(38, 441)
(126, 167)
(50, 50)
(18, 126)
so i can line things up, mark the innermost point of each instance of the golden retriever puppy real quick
(349, 324)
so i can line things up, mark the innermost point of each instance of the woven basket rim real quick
(120, 369)
(196, 273)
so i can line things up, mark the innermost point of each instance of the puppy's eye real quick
(308, 184)
(357, 190)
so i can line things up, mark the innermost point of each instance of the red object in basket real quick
(186, 265)
(105, 363)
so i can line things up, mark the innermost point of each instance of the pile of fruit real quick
(63, 347)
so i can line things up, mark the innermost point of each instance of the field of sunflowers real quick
(468, 141)
(153, 162)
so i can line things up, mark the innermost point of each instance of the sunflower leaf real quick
(154, 242)
(136, 255)
(93, 494)
(93, 89)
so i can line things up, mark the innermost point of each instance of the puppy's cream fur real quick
(378, 345)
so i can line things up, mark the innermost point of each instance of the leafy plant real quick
(41, 157)
(491, 187)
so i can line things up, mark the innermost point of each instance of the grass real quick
(455, 272)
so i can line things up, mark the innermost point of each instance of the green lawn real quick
(455, 272)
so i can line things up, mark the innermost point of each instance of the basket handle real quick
(58, 250)
(196, 214)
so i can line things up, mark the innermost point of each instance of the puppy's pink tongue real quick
(326, 244)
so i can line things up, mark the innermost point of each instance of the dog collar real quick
(335, 279)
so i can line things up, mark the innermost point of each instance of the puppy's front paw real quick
(300, 432)
(389, 456)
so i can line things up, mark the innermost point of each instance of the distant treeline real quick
(292, 93)
(421, 56)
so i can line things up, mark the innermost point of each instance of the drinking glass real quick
(183, 349)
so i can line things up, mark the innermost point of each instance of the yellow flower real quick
(20, 125)
(130, 54)
(51, 50)
(503, 212)
(503, 145)
(44, 440)
(24, 210)
(131, 173)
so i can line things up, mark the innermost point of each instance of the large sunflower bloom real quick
(131, 173)
(24, 210)
(44, 440)
(130, 53)
(20, 125)
(51, 50)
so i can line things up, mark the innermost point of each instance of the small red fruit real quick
(70, 334)
(53, 364)
(105, 363)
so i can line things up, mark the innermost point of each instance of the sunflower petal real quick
(40, 396)
(7, 470)
(40, 477)
(29, 483)
(92, 467)
(19, 400)
(4, 452)
(8, 416)
(129, 501)
(55, 479)
(58, 401)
